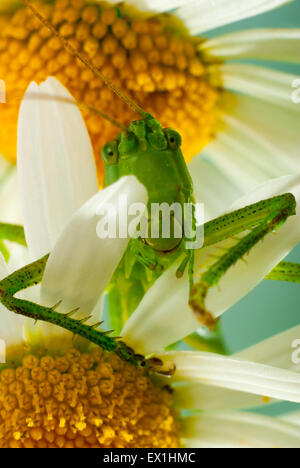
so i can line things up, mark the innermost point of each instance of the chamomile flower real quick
(53, 394)
(243, 115)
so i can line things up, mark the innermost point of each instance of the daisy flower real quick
(56, 394)
(242, 114)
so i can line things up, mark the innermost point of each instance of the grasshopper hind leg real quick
(256, 221)
(285, 271)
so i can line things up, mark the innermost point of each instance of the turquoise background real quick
(272, 306)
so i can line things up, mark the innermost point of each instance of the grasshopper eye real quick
(173, 137)
(110, 153)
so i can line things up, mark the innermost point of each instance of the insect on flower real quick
(54, 393)
(152, 154)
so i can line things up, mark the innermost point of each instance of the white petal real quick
(267, 44)
(10, 208)
(11, 325)
(3, 268)
(234, 374)
(266, 136)
(277, 125)
(150, 5)
(11, 328)
(230, 156)
(199, 396)
(10, 212)
(202, 15)
(238, 430)
(276, 351)
(209, 182)
(55, 163)
(292, 418)
(263, 83)
(166, 5)
(274, 162)
(81, 263)
(19, 256)
(260, 141)
(162, 319)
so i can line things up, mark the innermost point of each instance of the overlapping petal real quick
(293, 418)
(202, 15)
(266, 44)
(163, 315)
(82, 263)
(204, 397)
(260, 140)
(234, 374)
(10, 209)
(238, 430)
(276, 351)
(262, 83)
(209, 181)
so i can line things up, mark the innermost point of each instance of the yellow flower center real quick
(151, 58)
(79, 400)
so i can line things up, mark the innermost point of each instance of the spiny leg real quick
(246, 218)
(260, 218)
(285, 271)
(31, 275)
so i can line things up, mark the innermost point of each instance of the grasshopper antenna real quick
(86, 61)
(81, 106)
(92, 109)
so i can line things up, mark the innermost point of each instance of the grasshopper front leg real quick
(31, 275)
(260, 219)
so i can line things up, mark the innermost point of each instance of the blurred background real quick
(272, 306)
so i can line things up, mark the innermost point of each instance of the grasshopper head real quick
(141, 136)
(153, 155)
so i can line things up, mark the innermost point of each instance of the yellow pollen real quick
(266, 400)
(83, 400)
(151, 59)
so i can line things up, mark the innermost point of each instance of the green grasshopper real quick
(144, 150)
(153, 155)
